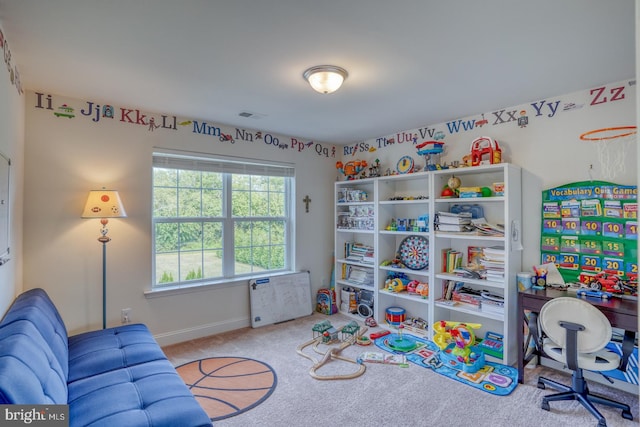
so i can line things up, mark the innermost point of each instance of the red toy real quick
(485, 146)
(610, 282)
(376, 335)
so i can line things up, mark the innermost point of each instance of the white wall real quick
(12, 146)
(66, 157)
(548, 147)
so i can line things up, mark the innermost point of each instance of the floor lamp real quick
(104, 204)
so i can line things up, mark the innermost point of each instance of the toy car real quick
(593, 293)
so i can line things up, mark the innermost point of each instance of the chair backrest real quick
(597, 332)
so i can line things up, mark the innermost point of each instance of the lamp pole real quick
(104, 239)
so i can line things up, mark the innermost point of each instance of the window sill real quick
(200, 287)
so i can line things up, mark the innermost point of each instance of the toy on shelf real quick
(414, 252)
(454, 183)
(448, 193)
(431, 150)
(374, 169)
(451, 188)
(405, 165)
(393, 263)
(418, 288)
(396, 281)
(484, 151)
(420, 224)
(396, 284)
(472, 192)
(352, 168)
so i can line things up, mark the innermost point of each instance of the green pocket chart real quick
(589, 227)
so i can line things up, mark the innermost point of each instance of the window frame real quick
(227, 166)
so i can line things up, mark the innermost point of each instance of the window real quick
(217, 219)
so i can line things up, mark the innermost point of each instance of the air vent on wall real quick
(249, 114)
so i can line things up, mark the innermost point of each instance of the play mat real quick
(493, 378)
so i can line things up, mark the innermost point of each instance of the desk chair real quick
(575, 334)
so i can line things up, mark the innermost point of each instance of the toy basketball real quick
(395, 315)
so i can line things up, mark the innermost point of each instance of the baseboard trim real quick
(201, 331)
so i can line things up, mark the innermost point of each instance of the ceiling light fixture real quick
(325, 78)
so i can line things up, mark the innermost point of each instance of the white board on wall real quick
(280, 298)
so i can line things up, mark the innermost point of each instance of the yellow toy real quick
(395, 285)
(447, 332)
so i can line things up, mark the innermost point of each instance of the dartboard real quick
(414, 252)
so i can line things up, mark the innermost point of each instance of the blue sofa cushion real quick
(95, 352)
(35, 306)
(29, 371)
(148, 394)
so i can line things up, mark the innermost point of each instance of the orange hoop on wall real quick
(588, 136)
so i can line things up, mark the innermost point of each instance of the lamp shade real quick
(103, 204)
(325, 78)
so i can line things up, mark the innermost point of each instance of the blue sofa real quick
(112, 377)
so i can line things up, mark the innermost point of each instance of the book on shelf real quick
(490, 306)
(494, 275)
(357, 275)
(454, 228)
(474, 255)
(359, 252)
(493, 262)
(447, 289)
(481, 226)
(451, 259)
(493, 253)
(471, 300)
(453, 222)
(453, 218)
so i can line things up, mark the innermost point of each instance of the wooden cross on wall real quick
(306, 201)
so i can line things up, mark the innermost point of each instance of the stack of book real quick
(453, 222)
(482, 227)
(467, 297)
(359, 276)
(493, 262)
(358, 252)
(493, 304)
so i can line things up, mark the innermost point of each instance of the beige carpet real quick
(384, 395)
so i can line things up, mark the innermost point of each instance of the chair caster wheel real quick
(627, 415)
(602, 423)
(545, 405)
(541, 385)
